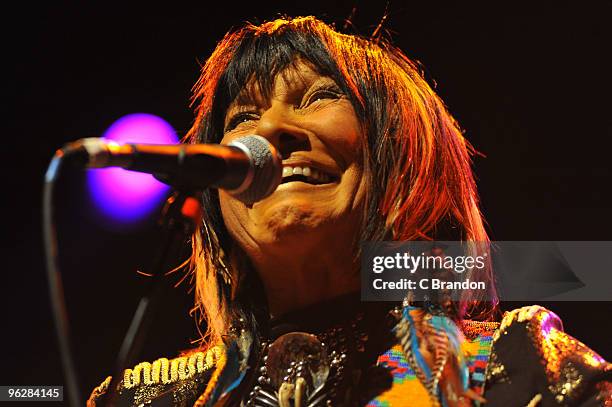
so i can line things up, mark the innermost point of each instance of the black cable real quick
(56, 289)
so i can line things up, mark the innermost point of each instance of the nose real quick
(279, 125)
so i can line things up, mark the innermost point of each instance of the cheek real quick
(356, 186)
(342, 135)
(340, 131)
(234, 214)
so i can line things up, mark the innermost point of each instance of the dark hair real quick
(417, 162)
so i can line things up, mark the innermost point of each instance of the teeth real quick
(307, 172)
(287, 171)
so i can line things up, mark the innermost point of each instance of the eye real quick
(321, 94)
(239, 118)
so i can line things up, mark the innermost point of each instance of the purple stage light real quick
(127, 196)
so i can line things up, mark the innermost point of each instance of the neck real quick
(300, 279)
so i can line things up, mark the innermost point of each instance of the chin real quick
(290, 220)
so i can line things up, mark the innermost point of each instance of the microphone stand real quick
(181, 216)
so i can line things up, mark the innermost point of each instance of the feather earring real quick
(431, 342)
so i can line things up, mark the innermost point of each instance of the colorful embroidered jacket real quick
(527, 360)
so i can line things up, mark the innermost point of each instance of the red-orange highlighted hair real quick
(418, 163)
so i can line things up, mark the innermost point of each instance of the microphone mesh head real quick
(266, 166)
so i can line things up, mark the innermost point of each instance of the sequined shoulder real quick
(176, 380)
(534, 356)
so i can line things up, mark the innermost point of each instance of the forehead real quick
(297, 78)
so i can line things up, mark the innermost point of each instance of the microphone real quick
(249, 168)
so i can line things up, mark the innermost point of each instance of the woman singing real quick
(369, 153)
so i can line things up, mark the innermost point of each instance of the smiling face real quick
(318, 206)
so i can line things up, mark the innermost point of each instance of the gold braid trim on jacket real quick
(145, 380)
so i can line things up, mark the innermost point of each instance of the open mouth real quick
(306, 174)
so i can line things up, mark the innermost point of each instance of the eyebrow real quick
(251, 95)
(247, 97)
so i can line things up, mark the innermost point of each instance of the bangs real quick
(262, 54)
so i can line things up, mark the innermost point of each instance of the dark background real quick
(529, 83)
